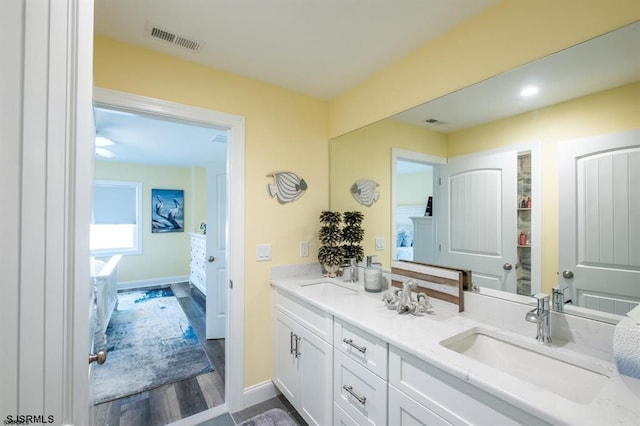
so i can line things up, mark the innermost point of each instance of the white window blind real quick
(117, 218)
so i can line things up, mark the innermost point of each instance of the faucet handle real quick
(543, 300)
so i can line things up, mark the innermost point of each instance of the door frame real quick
(234, 349)
(416, 157)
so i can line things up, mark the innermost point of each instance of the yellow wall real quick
(167, 254)
(366, 153)
(510, 34)
(285, 131)
(610, 111)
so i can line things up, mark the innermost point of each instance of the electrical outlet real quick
(379, 243)
(304, 248)
(263, 252)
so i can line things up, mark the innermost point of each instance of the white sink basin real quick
(575, 379)
(327, 289)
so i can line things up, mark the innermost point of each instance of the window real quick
(116, 226)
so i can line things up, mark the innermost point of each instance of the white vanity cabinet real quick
(303, 357)
(359, 376)
(197, 262)
(421, 394)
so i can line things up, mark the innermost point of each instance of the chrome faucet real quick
(558, 299)
(353, 270)
(541, 315)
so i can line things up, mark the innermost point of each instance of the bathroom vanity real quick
(341, 357)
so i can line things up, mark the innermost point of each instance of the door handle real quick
(100, 357)
(211, 259)
(567, 274)
(507, 266)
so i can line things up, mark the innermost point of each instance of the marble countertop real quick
(618, 402)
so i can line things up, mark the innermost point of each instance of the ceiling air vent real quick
(175, 39)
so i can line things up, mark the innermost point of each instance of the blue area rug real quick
(149, 343)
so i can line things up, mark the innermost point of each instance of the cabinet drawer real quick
(359, 392)
(340, 418)
(316, 320)
(405, 411)
(453, 399)
(364, 348)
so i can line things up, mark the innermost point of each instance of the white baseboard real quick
(153, 282)
(258, 393)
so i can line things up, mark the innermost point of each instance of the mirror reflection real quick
(489, 158)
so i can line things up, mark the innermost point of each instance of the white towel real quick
(626, 347)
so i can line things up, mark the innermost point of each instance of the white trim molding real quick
(235, 125)
(260, 392)
(153, 282)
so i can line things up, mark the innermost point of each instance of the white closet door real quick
(478, 230)
(600, 221)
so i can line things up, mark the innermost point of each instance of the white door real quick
(600, 221)
(478, 218)
(216, 250)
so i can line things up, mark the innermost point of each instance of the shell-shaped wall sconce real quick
(286, 186)
(364, 191)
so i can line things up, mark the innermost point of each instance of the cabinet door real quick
(285, 364)
(315, 379)
(404, 411)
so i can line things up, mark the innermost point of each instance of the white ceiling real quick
(144, 139)
(316, 47)
(602, 63)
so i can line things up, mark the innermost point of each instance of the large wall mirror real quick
(496, 160)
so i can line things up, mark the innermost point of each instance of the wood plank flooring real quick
(168, 403)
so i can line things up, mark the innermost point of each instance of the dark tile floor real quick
(234, 419)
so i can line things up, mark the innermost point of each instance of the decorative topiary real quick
(352, 235)
(331, 252)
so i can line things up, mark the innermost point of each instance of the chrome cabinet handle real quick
(294, 338)
(211, 259)
(361, 399)
(349, 342)
(297, 352)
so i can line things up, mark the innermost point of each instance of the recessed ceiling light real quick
(529, 91)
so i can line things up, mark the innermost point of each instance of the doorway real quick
(414, 196)
(166, 337)
(233, 260)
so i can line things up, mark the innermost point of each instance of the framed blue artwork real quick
(167, 210)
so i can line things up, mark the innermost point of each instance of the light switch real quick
(379, 243)
(263, 252)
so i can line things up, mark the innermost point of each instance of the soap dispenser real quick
(373, 275)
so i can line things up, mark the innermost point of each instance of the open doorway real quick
(159, 186)
(233, 259)
(414, 202)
